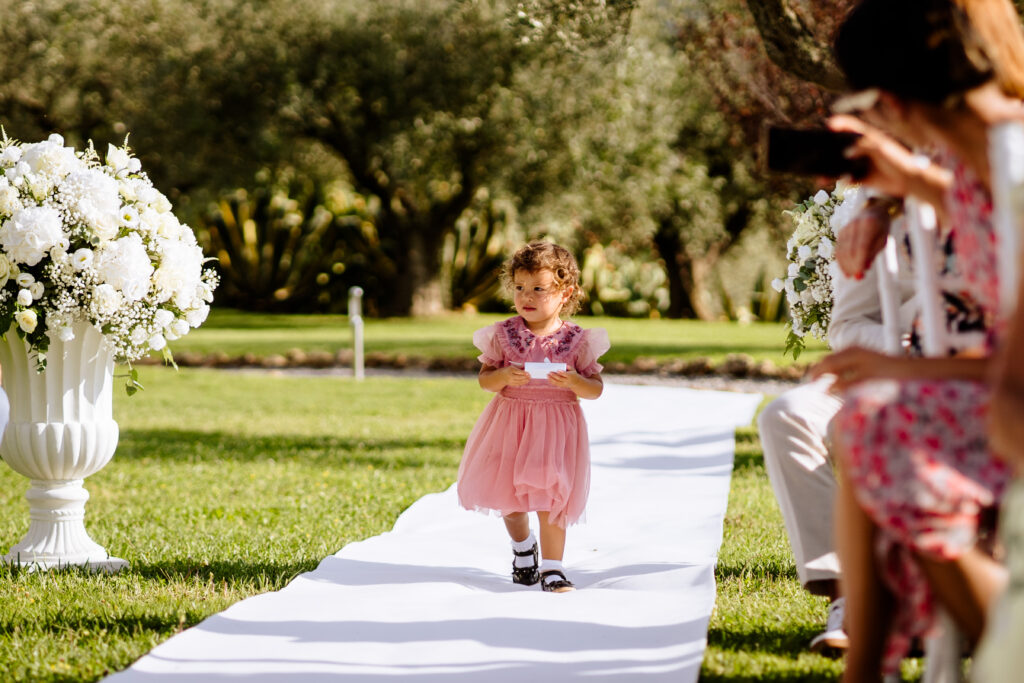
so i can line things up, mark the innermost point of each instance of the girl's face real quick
(537, 298)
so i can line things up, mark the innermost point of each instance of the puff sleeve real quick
(594, 345)
(486, 340)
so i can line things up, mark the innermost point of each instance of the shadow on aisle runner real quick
(432, 601)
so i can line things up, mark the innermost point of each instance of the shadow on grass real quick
(267, 575)
(786, 640)
(193, 446)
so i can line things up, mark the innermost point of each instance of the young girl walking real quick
(529, 450)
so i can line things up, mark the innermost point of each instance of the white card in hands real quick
(541, 370)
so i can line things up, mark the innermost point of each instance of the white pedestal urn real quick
(61, 430)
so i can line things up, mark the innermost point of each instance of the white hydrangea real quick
(93, 197)
(30, 233)
(124, 263)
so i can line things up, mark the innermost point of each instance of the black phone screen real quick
(818, 152)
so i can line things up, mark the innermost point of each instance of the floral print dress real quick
(917, 455)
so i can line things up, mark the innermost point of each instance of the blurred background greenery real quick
(408, 146)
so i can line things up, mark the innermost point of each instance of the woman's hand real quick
(860, 241)
(892, 165)
(856, 365)
(894, 170)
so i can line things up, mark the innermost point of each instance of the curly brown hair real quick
(538, 256)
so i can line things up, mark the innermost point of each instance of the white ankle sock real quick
(522, 547)
(549, 565)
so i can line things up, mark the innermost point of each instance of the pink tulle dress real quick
(529, 450)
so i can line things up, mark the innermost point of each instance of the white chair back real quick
(943, 651)
(1006, 168)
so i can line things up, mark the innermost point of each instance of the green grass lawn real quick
(227, 484)
(235, 333)
(224, 486)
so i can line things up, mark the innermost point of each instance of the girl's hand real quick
(584, 387)
(495, 379)
(514, 377)
(564, 378)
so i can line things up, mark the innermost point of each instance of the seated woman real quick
(914, 451)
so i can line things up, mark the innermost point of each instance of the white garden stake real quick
(355, 318)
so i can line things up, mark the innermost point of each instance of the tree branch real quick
(792, 45)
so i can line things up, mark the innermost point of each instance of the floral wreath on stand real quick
(88, 240)
(811, 254)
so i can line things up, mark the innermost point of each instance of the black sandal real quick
(527, 576)
(562, 585)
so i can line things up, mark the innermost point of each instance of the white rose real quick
(26, 320)
(821, 197)
(117, 158)
(10, 155)
(24, 297)
(180, 272)
(82, 258)
(36, 289)
(157, 342)
(125, 264)
(168, 226)
(24, 279)
(16, 174)
(204, 292)
(5, 270)
(30, 233)
(107, 299)
(197, 317)
(804, 251)
(10, 200)
(161, 203)
(162, 318)
(793, 270)
(778, 285)
(825, 248)
(139, 336)
(180, 327)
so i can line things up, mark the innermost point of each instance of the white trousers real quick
(793, 429)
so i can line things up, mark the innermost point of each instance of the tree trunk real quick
(415, 288)
(677, 268)
(791, 44)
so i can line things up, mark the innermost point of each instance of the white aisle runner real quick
(432, 600)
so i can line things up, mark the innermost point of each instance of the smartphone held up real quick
(814, 152)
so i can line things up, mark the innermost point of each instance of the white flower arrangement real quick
(88, 240)
(811, 253)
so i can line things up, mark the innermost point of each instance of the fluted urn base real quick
(61, 430)
(56, 534)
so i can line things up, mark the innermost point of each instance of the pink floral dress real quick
(917, 452)
(529, 449)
